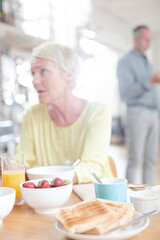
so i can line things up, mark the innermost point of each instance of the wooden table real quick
(23, 223)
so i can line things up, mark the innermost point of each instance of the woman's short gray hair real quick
(64, 57)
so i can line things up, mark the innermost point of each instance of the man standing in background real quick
(138, 91)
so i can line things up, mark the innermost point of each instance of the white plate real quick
(119, 235)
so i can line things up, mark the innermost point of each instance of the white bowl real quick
(64, 172)
(46, 200)
(145, 201)
(7, 200)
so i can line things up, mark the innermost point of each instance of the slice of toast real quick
(95, 216)
(84, 215)
(124, 214)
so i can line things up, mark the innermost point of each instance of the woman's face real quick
(49, 82)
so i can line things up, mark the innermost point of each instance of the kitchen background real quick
(100, 30)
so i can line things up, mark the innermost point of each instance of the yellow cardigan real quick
(45, 143)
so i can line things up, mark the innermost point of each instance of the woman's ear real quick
(69, 75)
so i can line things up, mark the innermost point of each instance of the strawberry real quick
(58, 182)
(43, 184)
(29, 185)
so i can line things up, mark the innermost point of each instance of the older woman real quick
(62, 127)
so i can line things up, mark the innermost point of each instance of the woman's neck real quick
(66, 111)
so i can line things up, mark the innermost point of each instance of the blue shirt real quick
(134, 72)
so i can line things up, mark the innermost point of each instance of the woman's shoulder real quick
(37, 109)
(97, 106)
(98, 110)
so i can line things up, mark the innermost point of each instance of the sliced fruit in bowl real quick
(44, 196)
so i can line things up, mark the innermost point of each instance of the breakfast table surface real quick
(23, 223)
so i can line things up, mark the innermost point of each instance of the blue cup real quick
(114, 189)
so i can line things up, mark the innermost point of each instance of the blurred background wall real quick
(100, 30)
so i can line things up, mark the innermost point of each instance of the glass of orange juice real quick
(13, 173)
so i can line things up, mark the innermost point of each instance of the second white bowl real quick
(64, 172)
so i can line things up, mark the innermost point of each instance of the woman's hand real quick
(75, 179)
